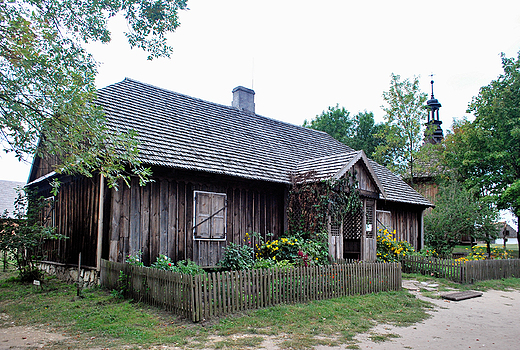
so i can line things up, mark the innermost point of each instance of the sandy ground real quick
(26, 338)
(491, 321)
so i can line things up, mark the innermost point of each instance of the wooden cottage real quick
(219, 172)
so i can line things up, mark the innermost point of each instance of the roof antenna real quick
(253, 74)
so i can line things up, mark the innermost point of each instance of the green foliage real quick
(358, 132)
(316, 248)
(163, 263)
(189, 267)
(135, 259)
(98, 320)
(426, 252)
(486, 152)
(279, 249)
(510, 198)
(261, 263)
(366, 133)
(312, 203)
(295, 250)
(23, 236)
(123, 286)
(480, 253)
(237, 257)
(458, 213)
(404, 118)
(48, 81)
(335, 121)
(389, 249)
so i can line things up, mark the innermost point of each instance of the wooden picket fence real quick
(462, 271)
(220, 293)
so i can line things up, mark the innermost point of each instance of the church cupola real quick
(433, 133)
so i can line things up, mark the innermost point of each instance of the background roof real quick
(8, 195)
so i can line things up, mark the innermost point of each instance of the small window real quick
(210, 215)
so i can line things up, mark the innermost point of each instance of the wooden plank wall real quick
(42, 166)
(364, 180)
(428, 189)
(405, 220)
(76, 211)
(158, 218)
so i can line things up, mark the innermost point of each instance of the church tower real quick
(433, 133)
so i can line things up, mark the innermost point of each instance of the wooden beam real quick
(100, 221)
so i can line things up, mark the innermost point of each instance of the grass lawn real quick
(102, 320)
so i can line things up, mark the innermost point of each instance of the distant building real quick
(508, 232)
(8, 194)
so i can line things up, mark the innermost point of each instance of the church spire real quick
(433, 133)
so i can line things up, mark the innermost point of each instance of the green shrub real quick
(163, 263)
(270, 263)
(390, 249)
(189, 267)
(279, 249)
(237, 257)
(295, 249)
(134, 259)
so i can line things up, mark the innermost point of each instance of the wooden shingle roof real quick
(393, 188)
(179, 131)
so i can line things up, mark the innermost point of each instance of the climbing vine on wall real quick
(312, 202)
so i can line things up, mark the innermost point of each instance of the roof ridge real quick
(216, 104)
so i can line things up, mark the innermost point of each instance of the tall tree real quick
(458, 213)
(405, 115)
(365, 133)
(335, 121)
(356, 131)
(47, 79)
(486, 151)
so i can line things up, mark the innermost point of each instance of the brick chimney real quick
(244, 99)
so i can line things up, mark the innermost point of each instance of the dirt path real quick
(488, 322)
(18, 337)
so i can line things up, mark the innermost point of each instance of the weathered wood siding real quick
(364, 180)
(76, 211)
(404, 219)
(158, 218)
(43, 166)
(428, 188)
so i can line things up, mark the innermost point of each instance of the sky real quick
(302, 56)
